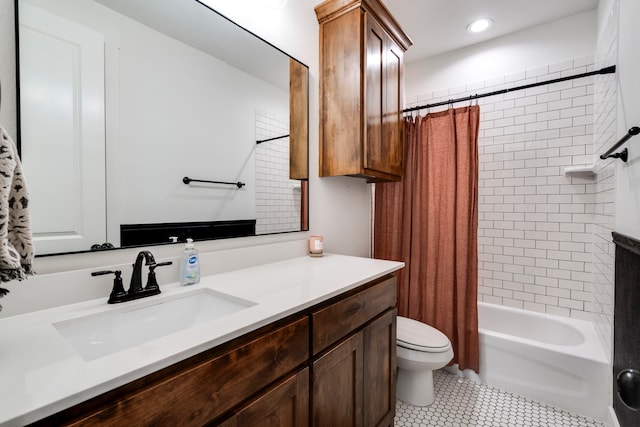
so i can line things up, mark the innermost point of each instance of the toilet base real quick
(415, 387)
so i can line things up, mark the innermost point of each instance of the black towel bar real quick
(188, 180)
(624, 153)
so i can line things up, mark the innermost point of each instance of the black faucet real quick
(136, 290)
(136, 277)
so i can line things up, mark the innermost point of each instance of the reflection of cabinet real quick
(361, 89)
(332, 365)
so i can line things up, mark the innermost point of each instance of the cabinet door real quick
(393, 103)
(374, 144)
(383, 100)
(286, 405)
(337, 390)
(380, 371)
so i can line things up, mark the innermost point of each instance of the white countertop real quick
(41, 374)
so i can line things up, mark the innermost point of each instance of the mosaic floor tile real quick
(463, 403)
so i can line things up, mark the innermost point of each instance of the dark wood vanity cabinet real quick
(330, 365)
(361, 90)
(354, 359)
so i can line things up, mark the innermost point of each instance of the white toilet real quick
(420, 350)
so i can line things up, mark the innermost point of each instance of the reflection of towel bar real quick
(188, 180)
(260, 141)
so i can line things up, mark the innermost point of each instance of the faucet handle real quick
(118, 292)
(152, 282)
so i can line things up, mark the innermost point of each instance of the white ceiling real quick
(438, 26)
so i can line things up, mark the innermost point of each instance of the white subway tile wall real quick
(604, 187)
(277, 196)
(536, 225)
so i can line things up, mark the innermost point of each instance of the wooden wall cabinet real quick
(361, 90)
(310, 369)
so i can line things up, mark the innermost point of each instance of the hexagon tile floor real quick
(463, 403)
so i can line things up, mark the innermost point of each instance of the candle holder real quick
(315, 246)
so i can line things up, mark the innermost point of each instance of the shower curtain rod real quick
(606, 70)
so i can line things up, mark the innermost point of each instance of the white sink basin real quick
(98, 335)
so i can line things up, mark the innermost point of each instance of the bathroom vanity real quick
(314, 345)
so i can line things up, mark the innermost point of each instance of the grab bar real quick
(188, 180)
(623, 155)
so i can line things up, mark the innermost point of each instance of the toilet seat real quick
(418, 336)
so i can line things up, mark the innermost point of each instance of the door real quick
(62, 129)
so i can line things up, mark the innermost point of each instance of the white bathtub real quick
(547, 358)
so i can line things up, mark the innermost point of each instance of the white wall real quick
(605, 134)
(628, 174)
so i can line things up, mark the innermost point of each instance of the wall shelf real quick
(587, 171)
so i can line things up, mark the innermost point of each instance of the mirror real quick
(122, 100)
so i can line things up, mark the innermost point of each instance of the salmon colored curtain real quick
(429, 220)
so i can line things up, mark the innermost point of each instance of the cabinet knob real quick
(629, 388)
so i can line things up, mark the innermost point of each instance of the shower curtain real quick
(429, 220)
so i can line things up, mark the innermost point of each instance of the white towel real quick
(16, 247)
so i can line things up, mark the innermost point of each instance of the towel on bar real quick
(16, 247)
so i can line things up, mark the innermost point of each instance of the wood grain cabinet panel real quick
(337, 320)
(361, 90)
(298, 121)
(285, 405)
(338, 385)
(379, 351)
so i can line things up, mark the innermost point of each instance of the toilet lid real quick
(419, 336)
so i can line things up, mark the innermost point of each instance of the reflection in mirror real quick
(122, 99)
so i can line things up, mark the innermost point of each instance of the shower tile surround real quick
(605, 136)
(536, 225)
(274, 189)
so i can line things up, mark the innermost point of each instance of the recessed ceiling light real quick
(479, 25)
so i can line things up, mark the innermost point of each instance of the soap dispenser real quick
(189, 265)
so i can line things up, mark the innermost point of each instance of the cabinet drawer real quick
(204, 391)
(341, 318)
(284, 405)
